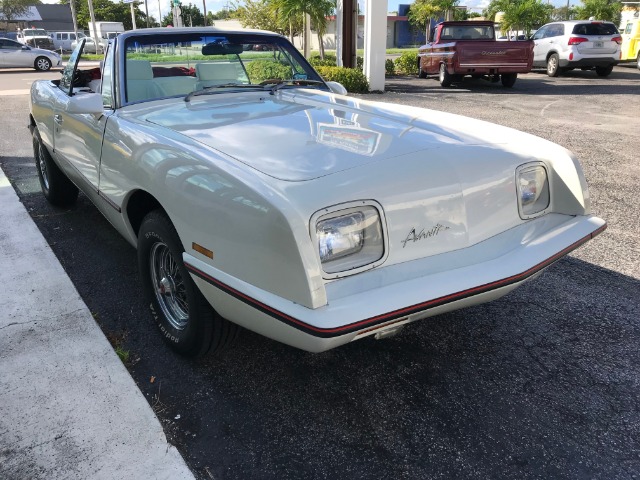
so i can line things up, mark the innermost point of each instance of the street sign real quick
(129, 1)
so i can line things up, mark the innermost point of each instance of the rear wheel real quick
(445, 78)
(638, 61)
(42, 64)
(508, 79)
(183, 317)
(604, 71)
(553, 65)
(56, 187)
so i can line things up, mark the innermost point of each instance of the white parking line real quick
(15, 92)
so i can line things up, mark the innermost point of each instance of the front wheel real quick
(445, 78)
(553, 65)
(508, 79)
(56, 187)
(42, 64)
(183, 317)
(604, 71)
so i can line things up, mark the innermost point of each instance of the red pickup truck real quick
(471, 48)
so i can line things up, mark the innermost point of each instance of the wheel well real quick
(138, 206)
(551, 53)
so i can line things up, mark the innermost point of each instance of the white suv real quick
(585, 44)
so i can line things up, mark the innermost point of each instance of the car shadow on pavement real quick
(541, 383)
(529, 84)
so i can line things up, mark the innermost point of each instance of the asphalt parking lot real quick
(543, 383)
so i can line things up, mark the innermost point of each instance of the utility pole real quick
(74, 17)
(204, 7)
(94, 35)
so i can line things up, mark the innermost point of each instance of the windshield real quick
(35, 32)
(467, 32)
(159, 66)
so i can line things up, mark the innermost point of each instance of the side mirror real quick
(84, 102)
(26, 47)
(338, 88)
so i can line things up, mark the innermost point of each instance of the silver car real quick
(14, 54)
(89, 46)
(584, 44)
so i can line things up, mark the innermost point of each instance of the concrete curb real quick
(68, 407)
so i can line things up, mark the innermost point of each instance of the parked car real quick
(631, 42)
(90, 44)
(65, 40)
(35, 37)
(584, 44)
(470, 48)
(259, 195)
(14, 54)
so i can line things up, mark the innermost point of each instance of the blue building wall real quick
(405, 33)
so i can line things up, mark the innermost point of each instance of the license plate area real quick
(598, 44)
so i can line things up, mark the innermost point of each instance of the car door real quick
(13, 55)
(541, 46)
(77, 137)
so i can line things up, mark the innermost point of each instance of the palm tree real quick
(318, 10)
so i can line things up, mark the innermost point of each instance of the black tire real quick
(638, 61)
(508, 79)
(183, 317)
(553, 65)
(444, 77)
(604, 71)
(42, 64)
(56, 187)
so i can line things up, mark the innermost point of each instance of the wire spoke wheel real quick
(169, 286)
(42, 165)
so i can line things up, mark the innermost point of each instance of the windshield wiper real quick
(208, 90)
(296, 82)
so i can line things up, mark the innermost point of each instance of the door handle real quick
(57, 118)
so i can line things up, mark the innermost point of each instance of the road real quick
(543, 383)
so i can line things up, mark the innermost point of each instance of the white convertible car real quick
(259, 195)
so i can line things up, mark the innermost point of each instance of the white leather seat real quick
(219, 73)
(140, 83)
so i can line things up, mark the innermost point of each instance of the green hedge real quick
(389, 67)
(260, 70)
(328, 61)
(407, 63)
(351, 78)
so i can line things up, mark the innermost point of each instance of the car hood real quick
(303, 134)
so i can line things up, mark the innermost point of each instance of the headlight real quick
(533, 190)
(349, 238)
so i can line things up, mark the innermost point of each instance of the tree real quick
(600, 10)
(423, 11)
(318, 11)
(107, 11)
(260, 14)
(191, 16)
(563, 13)
(12, 9)
(223, 14)
(524, 15)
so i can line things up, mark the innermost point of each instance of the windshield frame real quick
(156, 36)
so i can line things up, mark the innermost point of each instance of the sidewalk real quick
(68, 407)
